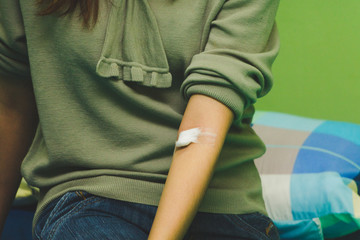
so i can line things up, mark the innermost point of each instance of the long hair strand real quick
(89, 9)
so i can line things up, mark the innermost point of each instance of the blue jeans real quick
(80, 215)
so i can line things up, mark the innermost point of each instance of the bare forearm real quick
(18, 120)
(186, 184)
(191, 169)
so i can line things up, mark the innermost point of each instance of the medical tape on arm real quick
(195, 135)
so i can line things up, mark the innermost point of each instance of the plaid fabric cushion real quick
(310, 175)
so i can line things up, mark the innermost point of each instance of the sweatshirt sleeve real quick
(235, 65)
(13, 50)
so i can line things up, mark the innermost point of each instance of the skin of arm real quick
(18, 121)
(191, 169)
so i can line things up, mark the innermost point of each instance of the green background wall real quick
(317, 73)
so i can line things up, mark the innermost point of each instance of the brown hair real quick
(89, 9)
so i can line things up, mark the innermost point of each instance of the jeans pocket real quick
(53, 214)
(47, 213)
(256, 224)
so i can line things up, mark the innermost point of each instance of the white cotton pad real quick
(188, 136)
(192, 136)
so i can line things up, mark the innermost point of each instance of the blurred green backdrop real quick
(317, 73)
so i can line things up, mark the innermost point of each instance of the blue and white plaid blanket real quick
(310, 175)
